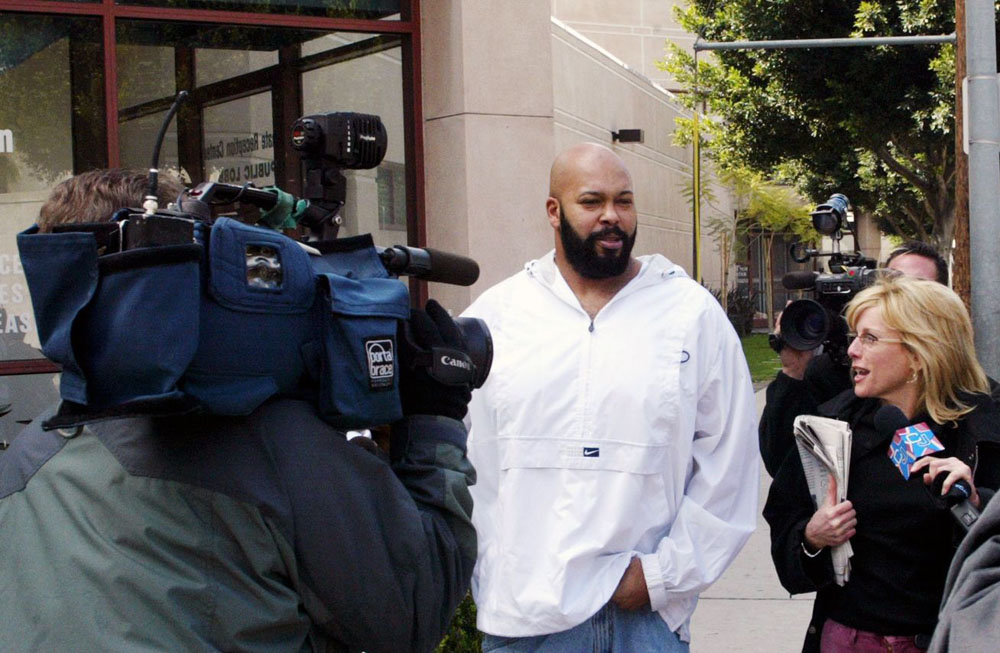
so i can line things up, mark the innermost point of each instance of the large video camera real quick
(806, 324)
(166, 311)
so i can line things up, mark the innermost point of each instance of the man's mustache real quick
(608, 231)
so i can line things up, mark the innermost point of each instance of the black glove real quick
(428, 332)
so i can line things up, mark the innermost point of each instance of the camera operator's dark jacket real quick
(787, 398)
(904, 541)
(269, 532)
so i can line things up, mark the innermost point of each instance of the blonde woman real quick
(912, 348)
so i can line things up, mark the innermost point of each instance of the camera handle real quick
(838, 260)
(286, 210)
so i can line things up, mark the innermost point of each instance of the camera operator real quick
(94, 196)
(808, 379)
(263, 532)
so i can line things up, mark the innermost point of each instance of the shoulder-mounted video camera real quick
(172, 311)
(806, 324)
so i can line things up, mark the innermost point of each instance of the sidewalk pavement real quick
(748, 609)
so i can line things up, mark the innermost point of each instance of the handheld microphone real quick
(430, 265)
(956, 500)
(891, 420)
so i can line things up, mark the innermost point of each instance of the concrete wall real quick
(488, 135)
(595, 94)
(505, 87)
(635, 30)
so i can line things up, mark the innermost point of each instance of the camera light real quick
(825, 222)
(356, 141)
(832, 216)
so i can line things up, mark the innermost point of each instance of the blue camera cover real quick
(239, 315)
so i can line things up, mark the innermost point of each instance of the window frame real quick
(407, 28)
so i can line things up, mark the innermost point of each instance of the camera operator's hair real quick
(94, 196)
(935, 326)
(922, 249)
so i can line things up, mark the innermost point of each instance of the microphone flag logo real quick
(910, 443)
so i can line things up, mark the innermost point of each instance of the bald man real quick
(614, 440)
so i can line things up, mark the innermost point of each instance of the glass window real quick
(217, 64)
(52, 123)
(145, 72)
(362, 9)
(391, 197)
(137, 139)
(220, 66)
(239, 141)
(246, 87)
(365, 78)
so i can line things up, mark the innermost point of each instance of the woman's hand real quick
(955, 470)
(834, 523)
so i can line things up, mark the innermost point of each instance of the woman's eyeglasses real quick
(868, 340)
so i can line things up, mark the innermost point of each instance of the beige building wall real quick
(505, 87)
(488, 137)
(595, 94)
(634, 30)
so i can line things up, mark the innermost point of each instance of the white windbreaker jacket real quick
(596, 441)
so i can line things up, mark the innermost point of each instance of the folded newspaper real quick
(825, 449)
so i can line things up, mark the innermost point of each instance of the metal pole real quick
(696, 181)
(868, 41)
(961, 279)
(984, 179)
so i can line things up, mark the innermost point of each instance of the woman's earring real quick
(913, 377)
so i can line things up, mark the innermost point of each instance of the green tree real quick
(769, 209)
(874, 123)
(761, 208)
(725, 228)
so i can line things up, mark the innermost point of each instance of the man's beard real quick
(584, 255)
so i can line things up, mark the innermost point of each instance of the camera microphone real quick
(799, 280)
(430, 265)
(891, 420)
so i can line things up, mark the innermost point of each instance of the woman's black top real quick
(904, 540)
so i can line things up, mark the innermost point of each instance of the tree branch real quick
(883, 153)
(900, 145)
(949, 171)
(891, 219)
(914, 215)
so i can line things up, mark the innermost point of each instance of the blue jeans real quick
(611, 630)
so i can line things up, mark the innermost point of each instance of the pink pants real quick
(838, 638)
